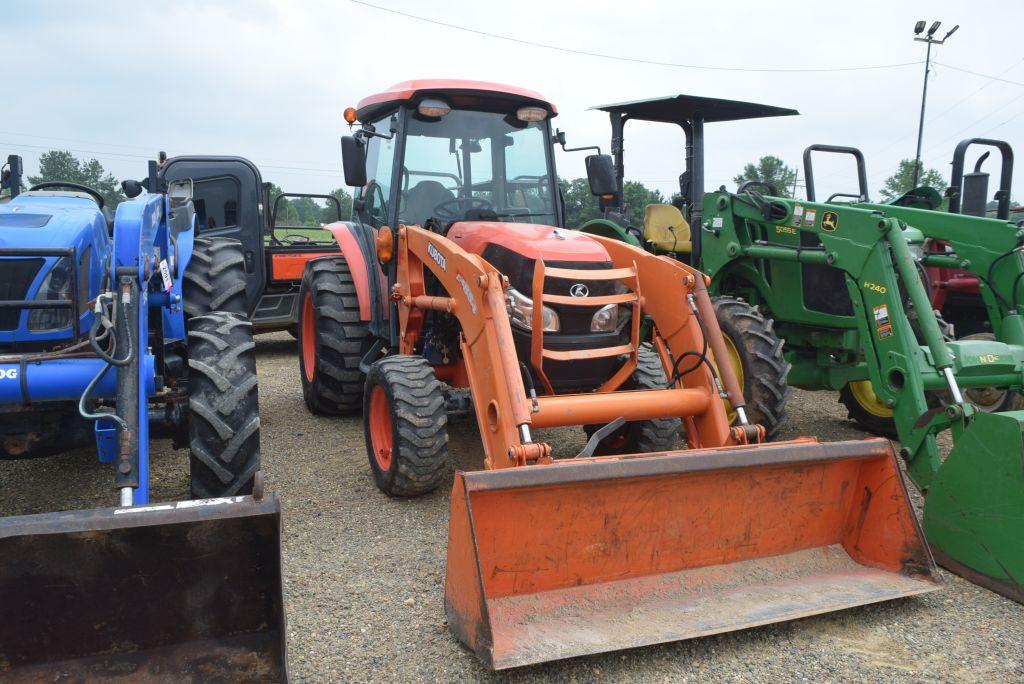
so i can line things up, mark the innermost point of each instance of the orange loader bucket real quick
(593, 555)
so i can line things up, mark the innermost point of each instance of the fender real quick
(353, 254)
(609, 229)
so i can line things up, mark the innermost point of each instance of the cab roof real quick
(678, 108)
(461, 93)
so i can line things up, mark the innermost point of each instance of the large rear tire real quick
(224, 417)
(332, 338)
(405, 425)
(642, 436)
(756, 356)
(215, 278)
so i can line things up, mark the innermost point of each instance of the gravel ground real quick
(364, 573)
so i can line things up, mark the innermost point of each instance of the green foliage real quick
(637, 196)
(61, 165)
(305, 211)
(581, 206)
(902, 181)
(329, 213)
(770, 169)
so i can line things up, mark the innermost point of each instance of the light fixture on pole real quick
(930, 39)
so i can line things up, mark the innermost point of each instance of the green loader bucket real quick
(974, 508)
(185, 591)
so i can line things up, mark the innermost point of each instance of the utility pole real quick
(930, 39)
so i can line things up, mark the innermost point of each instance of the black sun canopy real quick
(679, 108)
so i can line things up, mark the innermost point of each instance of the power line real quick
(976, 73)
(125, 156)
(315, 166)
(634, 60)
(956, 104)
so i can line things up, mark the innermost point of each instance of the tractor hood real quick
(37, 230)
(514, 249)
(46, 221)
(529, 240)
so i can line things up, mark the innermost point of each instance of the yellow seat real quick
(665, 229)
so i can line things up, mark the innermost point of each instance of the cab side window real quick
(217, 201)
(380, 164)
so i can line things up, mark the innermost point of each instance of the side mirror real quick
(180, 191)
(131, 188)
(601, 174)
(353, 160)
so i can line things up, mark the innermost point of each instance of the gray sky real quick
(269, 79)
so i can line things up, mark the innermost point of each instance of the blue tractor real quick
(96, 346)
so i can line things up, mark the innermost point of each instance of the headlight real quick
(55, 286)
(917, 251)
(606, 319)
(520, 311)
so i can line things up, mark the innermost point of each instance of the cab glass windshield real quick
(476, 166)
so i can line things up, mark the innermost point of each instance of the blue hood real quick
(47, 222)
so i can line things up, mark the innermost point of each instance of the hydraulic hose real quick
(100, 319)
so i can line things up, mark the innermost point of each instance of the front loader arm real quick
(475, 297)
(673, 294)
(873, 254)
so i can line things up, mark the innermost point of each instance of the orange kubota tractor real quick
(457, 289)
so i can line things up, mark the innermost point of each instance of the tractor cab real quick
(473, 162)
(469, 152)
(279, 232)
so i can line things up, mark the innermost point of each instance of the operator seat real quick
(421, 199)
(666, 230)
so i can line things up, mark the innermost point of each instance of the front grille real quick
(574, 319)
(16, 276)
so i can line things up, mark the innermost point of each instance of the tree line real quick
(580, 205)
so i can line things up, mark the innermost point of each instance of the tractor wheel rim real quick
(307, 333)
(987, 399)
(381, 439)
(737, 367)
(866, 398)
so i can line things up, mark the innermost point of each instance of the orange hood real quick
(531, 240)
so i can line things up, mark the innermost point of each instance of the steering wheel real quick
(454, 209)
(74, 186)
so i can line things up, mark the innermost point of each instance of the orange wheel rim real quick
(380, 429)
(308, 335)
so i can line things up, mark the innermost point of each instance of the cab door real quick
(227, 193)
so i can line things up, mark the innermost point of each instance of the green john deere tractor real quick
(845, 285)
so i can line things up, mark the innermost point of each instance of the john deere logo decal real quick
(579, 290)
(829, 221)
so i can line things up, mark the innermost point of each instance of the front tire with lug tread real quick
(642, 436)
(405, 425)
(224, 418)
(759, 362)
(865, 408)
